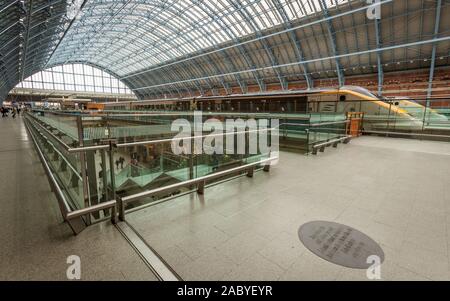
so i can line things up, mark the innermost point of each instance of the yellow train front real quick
(395, 114)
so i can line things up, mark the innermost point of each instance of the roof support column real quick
(332, 35)
(296, 43)
(433, 55)
(380, 66)
(242, 10)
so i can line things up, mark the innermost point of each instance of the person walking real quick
(117, 164)
(14, 112)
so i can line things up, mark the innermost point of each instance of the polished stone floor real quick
(396, 191)
(34, 241)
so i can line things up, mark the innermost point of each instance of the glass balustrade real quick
(100, 156)
(65, 166)
(142, 157)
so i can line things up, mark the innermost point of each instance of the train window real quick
(343, 98)
(397, 103)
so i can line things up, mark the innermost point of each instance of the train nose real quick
(438, 118)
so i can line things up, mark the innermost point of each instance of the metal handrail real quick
(332, 141)
(67, 147)
(54, 183)
(67, 213)
(76, 172)
(114, 205)
(329, 123)
(152, 142)
(121, 202)
(119, 113)
(92, 209)
(200, 182)
(88, 148)
(405, 134)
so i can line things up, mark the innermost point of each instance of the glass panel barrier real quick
(65, 166)
(144, 158)
(64, 123)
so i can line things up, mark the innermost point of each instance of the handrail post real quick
(247, 143)
(307, 140)
(104, 175)
(201, 187)
(121, 209)
(251, 172)
(114, 214)
(111, 170)
(85, 182)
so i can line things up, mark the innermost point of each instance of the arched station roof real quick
(174, 47)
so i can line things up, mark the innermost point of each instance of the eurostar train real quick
(395, 113)
(379, 113)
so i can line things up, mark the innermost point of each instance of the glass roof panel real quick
(130, 36)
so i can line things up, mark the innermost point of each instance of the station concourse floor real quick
(395, 190)
(34, 241)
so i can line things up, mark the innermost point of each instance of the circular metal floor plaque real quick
(340, 244)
